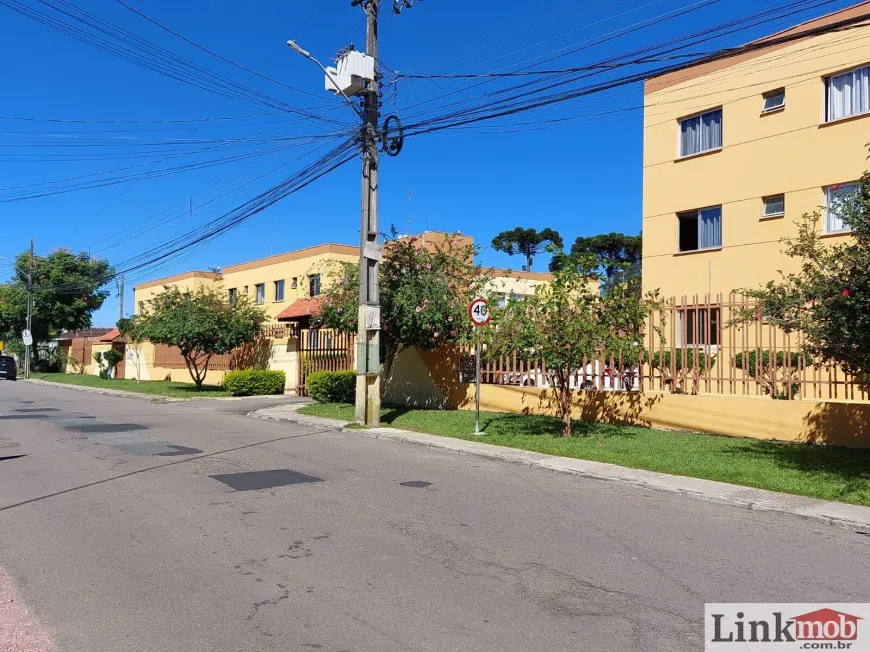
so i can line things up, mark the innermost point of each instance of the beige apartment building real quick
(737, 149)
(284, 283)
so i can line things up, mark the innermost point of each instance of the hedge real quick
(332, 386)
(255, 382)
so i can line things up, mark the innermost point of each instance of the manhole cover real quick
(36, 410)
(108, 427)
(179, 450)
(416, 484)
(254, 480)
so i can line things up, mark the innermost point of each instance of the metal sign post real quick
(479, 313)
(27, 338)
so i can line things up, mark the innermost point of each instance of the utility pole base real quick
(368, 400)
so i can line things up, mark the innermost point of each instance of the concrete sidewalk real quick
(833, 513)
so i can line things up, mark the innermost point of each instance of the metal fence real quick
(691, 347)
(322, 349)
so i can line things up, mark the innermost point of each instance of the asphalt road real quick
(119, 538)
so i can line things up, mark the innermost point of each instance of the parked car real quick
(8, 368)
(627, 381)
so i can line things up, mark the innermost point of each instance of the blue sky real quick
(580, 177)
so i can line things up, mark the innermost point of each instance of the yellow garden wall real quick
(283, 357)
(431, 379)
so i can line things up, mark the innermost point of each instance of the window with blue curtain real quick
(701, 133)
(710, 228)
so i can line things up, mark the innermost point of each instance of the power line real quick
(211, 52)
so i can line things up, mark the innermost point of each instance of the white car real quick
(628, 380)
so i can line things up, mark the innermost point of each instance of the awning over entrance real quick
(300, 309)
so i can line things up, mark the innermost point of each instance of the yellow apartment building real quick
(273, 283)
(737, 149)
(277, 282)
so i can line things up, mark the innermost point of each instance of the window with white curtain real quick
(836, 200)
(847, 94)
(260, 296)
(700, 229)
(701, 133)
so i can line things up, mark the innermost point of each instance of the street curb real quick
(829, 512)
(151, 398)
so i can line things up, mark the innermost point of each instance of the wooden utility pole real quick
(368, 380)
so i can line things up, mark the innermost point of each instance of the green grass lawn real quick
(816, 471)
(157, 387)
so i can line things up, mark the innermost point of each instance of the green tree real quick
(618, 258)
(131, 329)
(566, 322)
(674, 371)
(68, 289)
(828, 299)
(201, 324)
(425, 291)
(527, 242)
(777, 373)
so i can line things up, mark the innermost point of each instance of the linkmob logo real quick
(765, 627)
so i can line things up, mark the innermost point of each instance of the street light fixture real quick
(305, 53)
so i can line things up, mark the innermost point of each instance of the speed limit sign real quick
(479, 312)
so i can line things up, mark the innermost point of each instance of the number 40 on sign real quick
(479, 312)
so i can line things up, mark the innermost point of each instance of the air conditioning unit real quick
(351, 72)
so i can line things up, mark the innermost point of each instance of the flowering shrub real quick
(426, 289)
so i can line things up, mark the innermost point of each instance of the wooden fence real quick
(169, 357)
(322, 349)
(691, 347)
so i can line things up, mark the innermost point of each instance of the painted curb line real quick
(829, 512)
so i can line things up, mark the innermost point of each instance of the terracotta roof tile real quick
(300, 308)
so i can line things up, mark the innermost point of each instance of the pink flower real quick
(340, 309)
(452, 333)
(418, 309)
(450, 318)
(436, 334)
(428, 266)
(847, 293)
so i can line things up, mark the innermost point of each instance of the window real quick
(141, 307)
(774, 206)
(501, 300)
(294, 283)
(698, 327)
(700, 229)
(234, 295)
(701, 133)
(847, 94)
(279, 290)
(837, 199)
(314, 285)
(260, 297)
(773, 100)
(245, 290)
